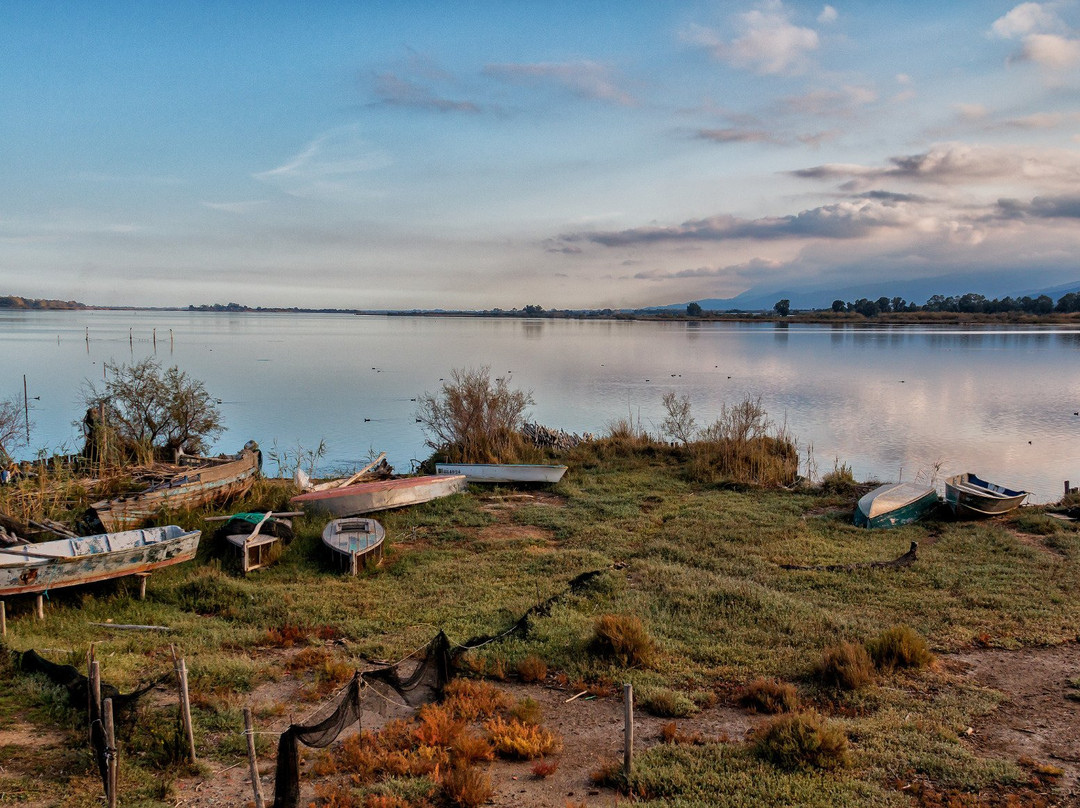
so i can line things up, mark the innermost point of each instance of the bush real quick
(514, 739)
(847, 666)
(527, 711)
(532, 669)
(544, 767)
(623, 638)
(770, 696)
(666, 703)
(840, 480)
(899, 647)
(802, 741)
(472, 420)
(466, 788)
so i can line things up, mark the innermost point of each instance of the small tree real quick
(693, 309)
(473, 420)
(679, 424)
(782, 307)
(150, 410)
(13, 426)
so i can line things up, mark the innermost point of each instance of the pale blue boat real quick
(895, 504)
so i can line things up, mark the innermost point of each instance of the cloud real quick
(736, 135)
(752, 269)
(952, 163)
(328, 164)
(1041, 207)
(585, 79)
(837, 103)
(842, 220)
(768, 42)
(396, 91)
(235, 207)
(828, 14)
(1044, 38)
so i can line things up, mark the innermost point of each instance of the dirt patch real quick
(1037, 720)
(1037, 542)
(496, 502)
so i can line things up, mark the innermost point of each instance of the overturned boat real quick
(355, 543)
(351, 500)
(503, 472)
(895, 504)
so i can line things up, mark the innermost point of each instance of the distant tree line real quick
(970, 303)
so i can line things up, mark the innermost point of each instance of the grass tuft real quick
(532, 669)
(846, 666)
(770, 696)
(802, 741)
(899, 647)
(623, 638)
(465, 787)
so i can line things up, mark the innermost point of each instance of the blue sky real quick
(495, 154)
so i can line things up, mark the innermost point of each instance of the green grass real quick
(697, 563)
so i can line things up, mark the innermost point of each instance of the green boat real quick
(895, 504)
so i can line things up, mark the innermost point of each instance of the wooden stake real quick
(628, 731)
(40, 607)
(1066, 488)
(142, 584)
(3, 619)
(110, 750)
(185, 703)
(26, 408)
(252, 762)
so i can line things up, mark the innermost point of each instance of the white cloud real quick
(328, 164)
(1024, 19)
(585, 79)
(828, 14)
(1050, 50)
(769, 43)
(235, 207)
(972, 112)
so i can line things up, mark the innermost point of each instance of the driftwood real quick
(49, 526)
(903, 561)
(556, 439)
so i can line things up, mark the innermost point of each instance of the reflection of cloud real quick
(327, 164)
(399, 92)
(769, 43)
(585, 79)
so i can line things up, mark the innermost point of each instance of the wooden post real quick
(110, 750)
(1066, 488)
(95, 686)
(26, 408)
(142, 584)
(628, 718)
(185, 703)
(155, 340)
(252, 762)
(40, 607)
(3, 619)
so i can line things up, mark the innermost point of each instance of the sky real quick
(474, 155)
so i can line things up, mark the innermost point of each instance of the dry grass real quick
(544, 767)
(899, 647)
(770, 696)
(532, 669)
(801, 741)
(846, 666)
(623, 638)
(470, 699)
(516, 739)
(466, 787)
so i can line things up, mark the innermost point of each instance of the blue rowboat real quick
(971, 496)
(895, 504)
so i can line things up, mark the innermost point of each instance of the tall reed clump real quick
(743, 445)
(475, 420)
(846, 666)
(899, 647)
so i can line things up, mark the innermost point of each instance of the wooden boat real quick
(895, 504)
(258, 536)
(968, 495)
(381, 495)
(355, 543)
(33, 568)
(213, 480)
(503, 472)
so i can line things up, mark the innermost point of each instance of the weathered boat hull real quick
(971, 497)
(895, 504)
(354, 543)
(23, 570)
(351, 500)
(503, 472)
(200, 486)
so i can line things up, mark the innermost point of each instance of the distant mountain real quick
(914, 291)
(12, 302)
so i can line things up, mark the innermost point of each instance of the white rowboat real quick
(503, 472)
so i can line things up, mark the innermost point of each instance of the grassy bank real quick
(699, 564)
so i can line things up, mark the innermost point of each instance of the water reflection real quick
(879, 399)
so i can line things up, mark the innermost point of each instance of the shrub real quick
(545, 767)
(608, 774)
(466, 787)
(472, 420)
(527, 711)
(468, 749)
(666, 703)
(899, 647)
(623, 638)
(847, 666)
(670, 733)
(532, 669)
(801, 741)
(515, 739)
(770, 696)
(470, 700)
(840, 480)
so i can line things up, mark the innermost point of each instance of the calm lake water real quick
(889, 401)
